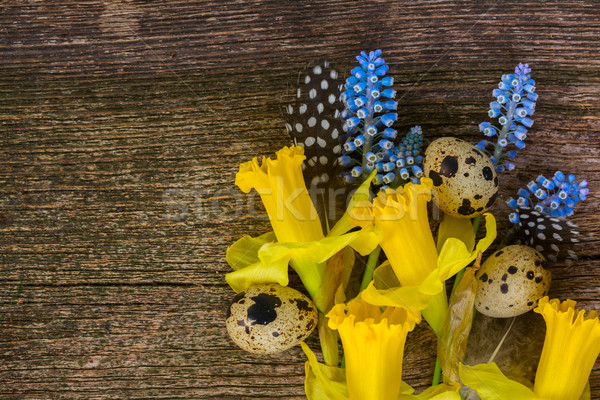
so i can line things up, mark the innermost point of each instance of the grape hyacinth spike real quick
(554, 197)
(513, 107)
(369, 141)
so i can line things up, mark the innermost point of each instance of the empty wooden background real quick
(122, 125)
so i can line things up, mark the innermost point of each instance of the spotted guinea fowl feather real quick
(553, 237)
(313, 122)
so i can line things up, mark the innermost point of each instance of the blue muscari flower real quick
(356, 171)
(369, 140)
(347, 178)
(404, 173)
(554, 197)
(389, 178)
(513, 107)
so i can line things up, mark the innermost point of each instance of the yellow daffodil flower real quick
(407, 240)
(298, 237)
(409, 246)
(571, 347)
(373, 344)
(281, 187)
(570, 350)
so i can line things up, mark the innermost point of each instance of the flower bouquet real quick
(417, 219)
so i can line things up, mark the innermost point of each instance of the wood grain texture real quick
(123, 123)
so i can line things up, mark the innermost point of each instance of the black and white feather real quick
(313, 121)
(553, 237)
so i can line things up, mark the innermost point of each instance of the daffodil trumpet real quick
(571, 347)
(412, 253)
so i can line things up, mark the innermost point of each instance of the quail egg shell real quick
(511, 281)
(464, 178)
(270, 318)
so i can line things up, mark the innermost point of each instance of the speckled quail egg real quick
(511, 281)
(270, 318)
(464, 178)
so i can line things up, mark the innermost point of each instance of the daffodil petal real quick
(587, 394)
(428, 296)
(571, 348)
(244, 252)
(408, 297)
(323, 382)
(275, 257)
(367, 239)
(364, 241)
(405, 389)
(413, 297)
(361, 194)
(439, 392)
(267, 269)
(455, 255)
(491, 384)
(490, 234)
(433, 284)
(459, 228)
(384, 277)
(257, 273)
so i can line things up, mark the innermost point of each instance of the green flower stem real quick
(437, 372)
(311, 275)
(509, 235)
(510, 114)
(370, 268)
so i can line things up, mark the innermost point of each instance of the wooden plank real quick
(122, 127)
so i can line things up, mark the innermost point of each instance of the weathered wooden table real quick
(122, 126)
